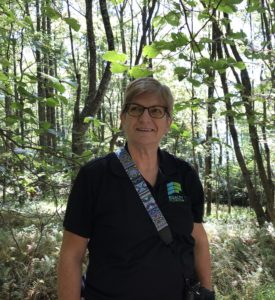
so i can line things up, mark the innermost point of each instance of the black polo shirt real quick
(127, 258)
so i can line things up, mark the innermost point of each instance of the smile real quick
(145, 129)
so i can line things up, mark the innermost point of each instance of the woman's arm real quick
(70, 266)
(202, 256)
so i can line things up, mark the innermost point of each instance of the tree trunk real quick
(246, 94)
(228, 179)
(146, 23)
(40, 85)
(209, 129)
(95, 94)
(250, 188)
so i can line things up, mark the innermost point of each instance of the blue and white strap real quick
(145, 195)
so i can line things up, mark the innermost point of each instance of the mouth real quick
(145, 129)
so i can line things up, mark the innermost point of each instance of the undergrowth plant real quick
(243, 255)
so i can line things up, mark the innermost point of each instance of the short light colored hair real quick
(151, 86)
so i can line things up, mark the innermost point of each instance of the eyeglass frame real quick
(148, 108)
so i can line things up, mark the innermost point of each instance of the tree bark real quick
(246, 94)
(95, 94)
(40, 85)
(250, 188)
(146, 23)
(209, 128)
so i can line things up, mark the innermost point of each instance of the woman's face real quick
(145, 130)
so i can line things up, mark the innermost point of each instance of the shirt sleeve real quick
(196, 195)
(78, 216)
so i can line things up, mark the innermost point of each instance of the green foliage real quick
(51, 12)
(150, 51)
(73, 23)
(116, 2)
(242, 255)
(29, 248)
(140, 71)
(115, 57)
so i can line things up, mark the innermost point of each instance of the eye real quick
(135, 109)
(157, 111)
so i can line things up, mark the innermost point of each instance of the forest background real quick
(64, 65)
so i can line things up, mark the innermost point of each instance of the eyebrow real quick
(157, 105)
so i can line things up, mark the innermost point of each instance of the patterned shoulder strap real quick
(145, 195)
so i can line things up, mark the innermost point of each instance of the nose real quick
(145, 115)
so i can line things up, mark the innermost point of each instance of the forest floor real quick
(243, 255)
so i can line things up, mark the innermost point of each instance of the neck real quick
(145, 158)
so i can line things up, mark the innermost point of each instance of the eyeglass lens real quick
(136, 110)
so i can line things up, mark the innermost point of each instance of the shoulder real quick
(98, 164)
(171, 161)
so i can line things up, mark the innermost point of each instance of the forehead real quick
(148, 99)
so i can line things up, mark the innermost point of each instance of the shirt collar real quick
(167, 164)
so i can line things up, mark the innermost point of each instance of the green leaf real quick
(221, 65)
(228, 113)
(204, 15)
(237, 35)
(17, 105)
(175, 127)
(22, 91)
(55, 82)
(51, 13)
(164, 45)
(238, 86)
(173, 18)
(87, 120)
(205, 63)
(62, 99)
(240, 65)
(192, 3)
(97, 123)
(114, 56)
(51, 102)
(183, 56)
(28, 21)
(186, 134)
(73, 23)
(206, 40)
(10, 120)
(150, 51)
(58, 86)
(29, 111)
(197, 47)
(140, 71)
(118, 68)
(4, 62)
(3, 77)
(181, 72)
(253, 7)
(116, 2)
(158, 21)
(227, 9)
(194, 82)
(180, 39)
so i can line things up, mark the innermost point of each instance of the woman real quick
(127, 258)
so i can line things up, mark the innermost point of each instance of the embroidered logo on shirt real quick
(174, 192)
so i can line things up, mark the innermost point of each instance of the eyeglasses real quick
(156, 111)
